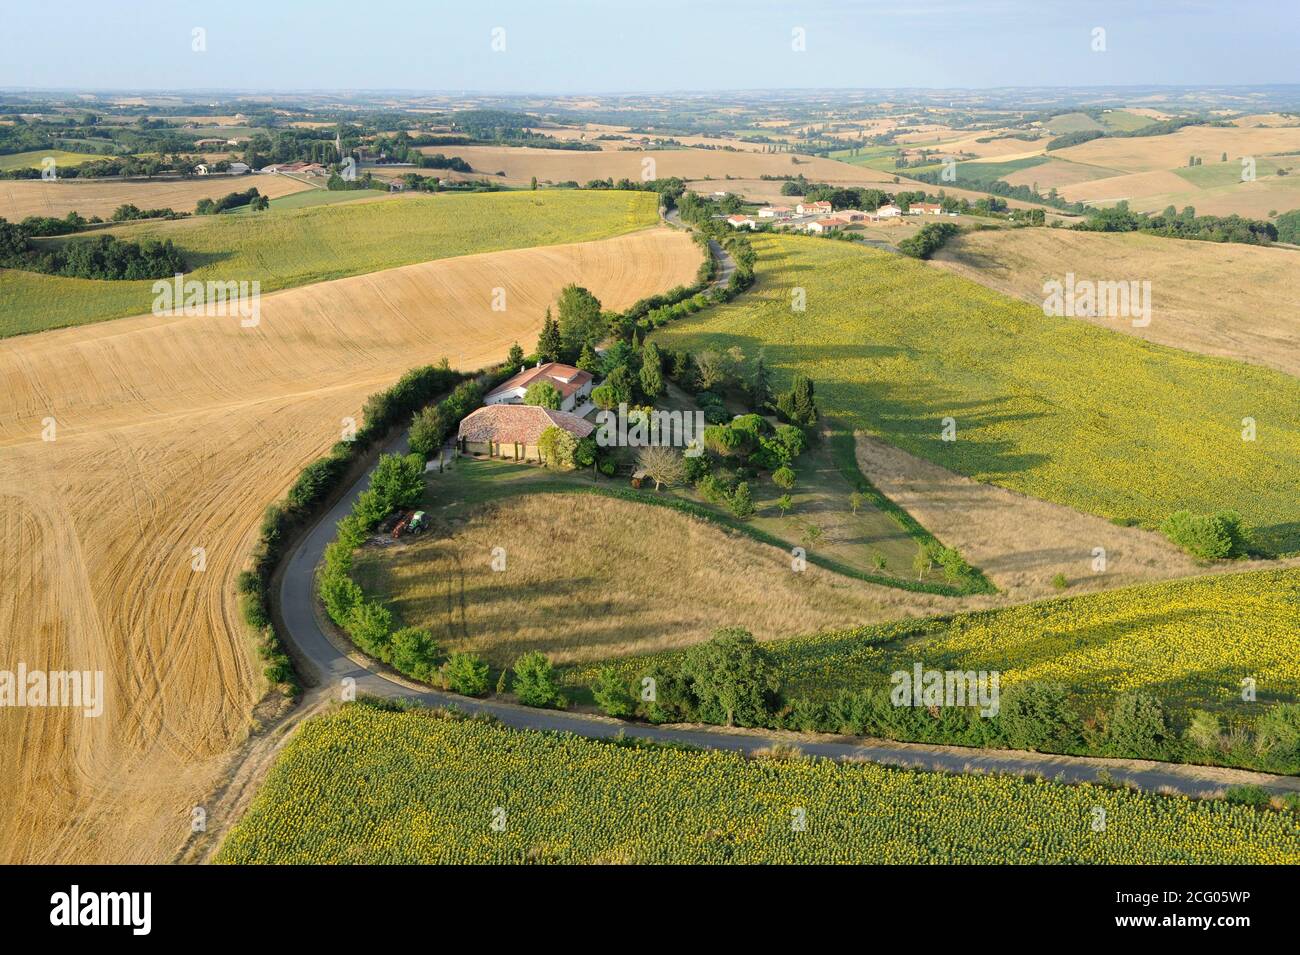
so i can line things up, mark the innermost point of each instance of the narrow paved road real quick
(329, 666)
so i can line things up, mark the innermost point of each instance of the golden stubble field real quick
(1225, 299)
(20, 198)
(173, 434)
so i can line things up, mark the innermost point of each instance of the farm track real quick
(172, 435)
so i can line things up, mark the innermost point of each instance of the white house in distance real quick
(822, 226)
(774, 212)
(741, 222)
(885, 212)
(925, 209)
(573, 384)
(821, 208)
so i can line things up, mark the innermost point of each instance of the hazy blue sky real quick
(614, 45)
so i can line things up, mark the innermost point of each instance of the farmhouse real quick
(821, 208)
(925, 209)
(299, 168)
(740, 222)
(774, 212)
(573, 385)
(512, 431)
(885, 212)
(822, 226)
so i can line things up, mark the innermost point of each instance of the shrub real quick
(370, 625)
(1039, 716)
(611, 694)
(741, 501)
(1248, 795)
(415, 653)
(535, 681)
(1136, 726)
(557, 447)
(1207, 536)
(1204, 729)
(465, 673)
(1277, 733)
(665, 697)
(1060, 582)
(783, 477)
(793, 439)
(711, 489)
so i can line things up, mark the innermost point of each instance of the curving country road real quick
(328, 665)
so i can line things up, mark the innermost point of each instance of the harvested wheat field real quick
(173, 434)
(20, 198)
(1150, 153)
(640, 579)
(1225, 299)
(558, 165)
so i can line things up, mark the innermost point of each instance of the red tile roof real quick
(553, 372)
(518, 424)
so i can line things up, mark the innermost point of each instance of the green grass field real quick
(1055, 408)
(988, 171)
(365, 786)
(1072, 123)
(34, 158)
(1124, 121)
(1189, 642)
(292, 247)
(1214, 173)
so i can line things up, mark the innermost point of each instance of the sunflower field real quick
(1055, 408)
(371, 786)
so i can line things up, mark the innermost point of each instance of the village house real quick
(573, 385)
(822, 226)
(741, 222)
(774, 212)
(925, 209)
(513, 431)
(821, 208)
(298, 168)
(885, 212)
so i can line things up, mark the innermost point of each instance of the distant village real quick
(819, 217)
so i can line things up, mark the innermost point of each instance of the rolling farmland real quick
(436, 785)
(895, 347)
(20, 198)
(173, 434)
(294, 247)
(1237, 304)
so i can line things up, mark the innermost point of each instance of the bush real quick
(1039, 716)
(611, 694)
(1249, 795)
(783, 477)
(666, 697)
(370, 625)
(1207, 536)
(741, 501)
(466, 674)
(1205, 730)
(928, 240)
(1137, 726)
(415, 653)
(534, 681)
(1277, 733)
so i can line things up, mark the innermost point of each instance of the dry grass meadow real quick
(20, 198)
(173, 434)
(638, 579)
(1225, 299)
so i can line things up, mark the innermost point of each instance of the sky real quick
(608, 46)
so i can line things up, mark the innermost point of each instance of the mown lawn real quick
(1052, 407)
(364, 786)
(284, 248)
